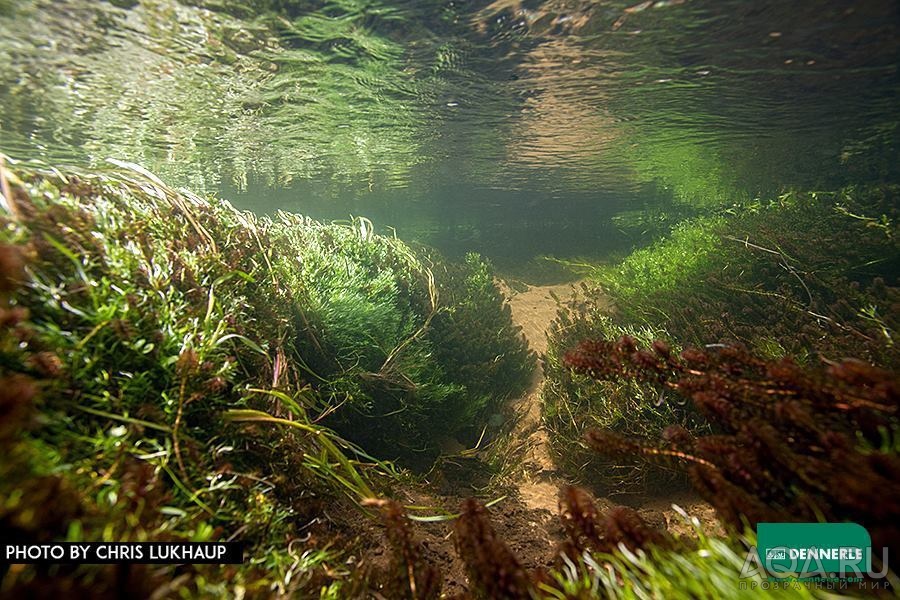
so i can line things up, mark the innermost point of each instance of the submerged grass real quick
(200, 373)
(709, 568)
(174, 369)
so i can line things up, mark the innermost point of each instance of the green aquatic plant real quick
(676, 261)
(759, 277)
(405, 347)
(217, 357)
(710, 568)
(129, 310)
(477, 341)
(355, 320)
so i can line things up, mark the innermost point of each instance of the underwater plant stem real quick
(681, 455)
(784, 262)
(795, 305)
(433, 300)
(124, 419)
(321, 436)
(176, 446)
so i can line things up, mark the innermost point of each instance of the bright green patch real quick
(673, 262)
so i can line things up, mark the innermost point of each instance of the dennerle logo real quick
(826, 553)
(805, 548)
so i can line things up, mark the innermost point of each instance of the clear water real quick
(561, 127)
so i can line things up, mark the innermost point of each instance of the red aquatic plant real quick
(409, 574)
(492, 568)
(580, 519)
(791, 443)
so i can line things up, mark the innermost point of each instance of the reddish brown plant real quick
(791, 443)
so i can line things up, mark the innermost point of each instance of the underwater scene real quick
(492, 299)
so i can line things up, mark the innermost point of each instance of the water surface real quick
(514, 128)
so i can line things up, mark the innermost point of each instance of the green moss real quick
(671, 263)
(242, 370)
(476, 341)
(410, 346)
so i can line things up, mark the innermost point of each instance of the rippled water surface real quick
(516, 128)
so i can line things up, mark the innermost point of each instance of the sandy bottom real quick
(534, 310)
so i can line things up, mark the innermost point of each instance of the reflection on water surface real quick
(517, 128)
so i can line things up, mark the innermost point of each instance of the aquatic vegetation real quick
(767, 418)
(476, 342)
(491, 566)
(754, 276)
(356, 322)
(683, 574)
(194, 366)
(676, 261)
(758, 275)
(573, 403)
(183, 360)
(410, 352)
(409, 574)
(790, 443)
(124, 320)
(174, 368)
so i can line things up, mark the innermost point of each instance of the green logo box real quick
(806, 548)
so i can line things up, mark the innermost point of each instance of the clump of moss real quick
(410, 346)
(191, 358)
(145, 324)
(477, 342)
